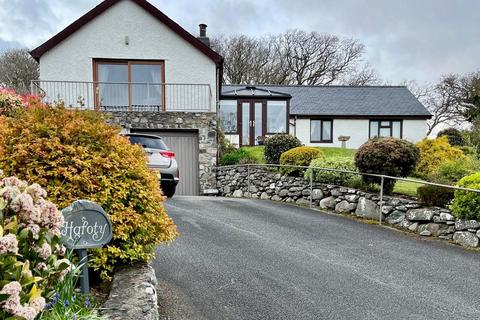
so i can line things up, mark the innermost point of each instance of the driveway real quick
(254, 259)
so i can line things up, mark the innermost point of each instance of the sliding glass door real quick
(129, 85)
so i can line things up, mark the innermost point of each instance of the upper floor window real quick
(321, 130)
(228, 116)
(386, 128)
(276, 116)
(136, 85)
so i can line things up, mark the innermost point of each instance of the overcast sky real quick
(405, 40)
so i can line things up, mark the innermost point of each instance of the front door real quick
(251, 121)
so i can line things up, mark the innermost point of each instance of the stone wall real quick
(203, 122)
(133, 294)
(402, 213)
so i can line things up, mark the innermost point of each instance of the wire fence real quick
(382, 178)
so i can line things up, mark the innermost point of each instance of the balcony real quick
(126, 96)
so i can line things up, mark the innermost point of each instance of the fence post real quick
(248, 180)
(311, 187)
(381, 200)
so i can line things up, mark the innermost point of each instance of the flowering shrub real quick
(77, 155)
(29, 248)
(10, 102)
(434, 153)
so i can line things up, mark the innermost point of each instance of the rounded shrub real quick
(332, 177)
(299, 156)
(434, 153)
(31, 254)
(466, 204)
(77, 155)
(278, 144)
(388, 156)
(454, 136)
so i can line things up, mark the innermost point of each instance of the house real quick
(129, 60)
(321, 115)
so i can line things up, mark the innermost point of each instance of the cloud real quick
(406, 39)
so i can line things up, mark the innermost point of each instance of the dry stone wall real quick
(403, 213)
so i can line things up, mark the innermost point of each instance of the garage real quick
(185, 145)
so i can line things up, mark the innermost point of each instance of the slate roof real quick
(354, 101)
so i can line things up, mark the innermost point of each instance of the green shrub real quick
(234, 157)
(436, 195)
(468, 151)
(332, 177)
(455, 170)
(434, 153)
(466, 204)
(388, 156)
(454, 136)
(278, 144)
(248, 160)
(77, 155)
(224, 146)
(299, 156)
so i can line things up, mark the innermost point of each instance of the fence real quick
(126, 96)
(382, 178)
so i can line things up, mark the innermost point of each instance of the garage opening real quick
(185, 145)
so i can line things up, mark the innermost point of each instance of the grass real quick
(329, 152)
(407, 188)
(401, 187)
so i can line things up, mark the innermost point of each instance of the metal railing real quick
(126, 96)
(380, 176)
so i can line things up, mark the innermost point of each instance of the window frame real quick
(390, 126)
(265, 118)
(128, 62)
(237, 110)
(321, 130)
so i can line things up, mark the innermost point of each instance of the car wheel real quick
(169, 191)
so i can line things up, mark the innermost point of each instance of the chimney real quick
(203, 34)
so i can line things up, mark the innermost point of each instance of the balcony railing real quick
(125, 96)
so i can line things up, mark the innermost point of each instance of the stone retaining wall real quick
(133, 294)
(402, 213)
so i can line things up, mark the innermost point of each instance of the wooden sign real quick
(86, 226)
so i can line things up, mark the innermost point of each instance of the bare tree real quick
(17, 68)
(293, 57)
(441, 100)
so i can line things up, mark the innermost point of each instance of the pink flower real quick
(12, 304)
(28, 313)
(60, 250)
(38, 304)
(13, 182)
(35, 191)
(41, 266)
(35, 229)
(44, 251)
(9, 244)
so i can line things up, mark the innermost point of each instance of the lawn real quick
(401, 187)
(329, 152)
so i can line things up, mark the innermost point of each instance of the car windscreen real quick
(148, 142)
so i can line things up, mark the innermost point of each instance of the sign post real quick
(86, 226)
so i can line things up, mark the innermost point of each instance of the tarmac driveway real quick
(253, 259)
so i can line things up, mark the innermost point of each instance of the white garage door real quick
(185, 146)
